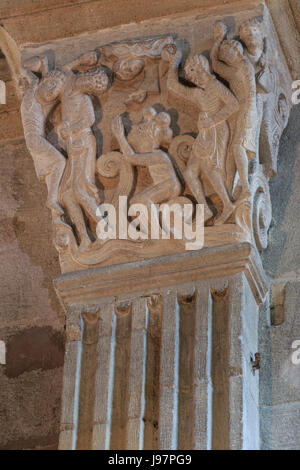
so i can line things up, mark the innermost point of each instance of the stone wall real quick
(32, 324)
(280, 327)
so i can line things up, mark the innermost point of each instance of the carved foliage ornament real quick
(120, 122)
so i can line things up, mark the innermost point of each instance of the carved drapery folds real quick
(145, 121)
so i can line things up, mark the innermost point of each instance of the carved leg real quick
(53, 180)
(191, 176)
(217, 182)
(84, 187)
(77, 218)
(90, 168)
(241, 161)
(50, 165)
(89, 205)
(157, 194)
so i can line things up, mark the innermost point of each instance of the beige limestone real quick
(31, 305)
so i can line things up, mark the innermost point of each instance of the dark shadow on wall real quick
(282, 190)
(32, 221)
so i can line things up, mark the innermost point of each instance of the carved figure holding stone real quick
(216, 104)
(38, 101)
(79, 193)
(142, 148)
(229, 62)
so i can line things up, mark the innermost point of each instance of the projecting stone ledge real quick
(97, 284)
(157, 349)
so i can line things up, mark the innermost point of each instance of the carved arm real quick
(83, 123)
(173, 56)
(89, 59)
(34, 64)
(219, 67)
(231, 104)
(136, 159)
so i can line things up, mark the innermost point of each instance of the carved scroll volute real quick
(180, 149)
(261, 212)
(254, 217)
(114, 164)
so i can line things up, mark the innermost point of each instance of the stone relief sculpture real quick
(136, 77)
(216, 104)
(229, 61)
(272, 119)
(143, 149)
(39, 99)
(131, 142)
(78, 191)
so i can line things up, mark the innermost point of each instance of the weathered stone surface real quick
(30, 311)
(280, 377)
(32, 349)
(29, 420)
(30, 383)
(88, 16)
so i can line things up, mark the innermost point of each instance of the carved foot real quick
(245, 196)
(55, 208)
(226, 213)
(58, 222)
(207, 214)
(85, 244)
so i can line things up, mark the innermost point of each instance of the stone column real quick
(159, 352)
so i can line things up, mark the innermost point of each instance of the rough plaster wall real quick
(280, 379)
(31, 381)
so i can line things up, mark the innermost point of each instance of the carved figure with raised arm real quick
(272, 104)
(216, 104)
(142, 148)
(229, 61)
(38, 101)
(79, 193)
(253, 38)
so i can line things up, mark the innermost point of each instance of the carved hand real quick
(44, 64)
(64, 129)
(205, 122)
(262, 62)
(88, 59)
(33, 64)
(117, 126)
(171, 54)
(220, 31)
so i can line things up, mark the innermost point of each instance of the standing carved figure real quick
(256, 50)
(79, 193)
(229, 62)
(136, 77)
(267, 87)
(216, 104)
(38, 101)
(143, 149)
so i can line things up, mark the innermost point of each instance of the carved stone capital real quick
(158, 126)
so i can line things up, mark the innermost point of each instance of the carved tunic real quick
(78, 112)
(243, 85)
(32, 113)
(218, 103)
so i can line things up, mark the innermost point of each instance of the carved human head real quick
(162, 132)
(94, 81)
(152, 132)
(197, 69)
(231, 51)
(148, 113)
(251, 34)
(51, 86)
(128, 68)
